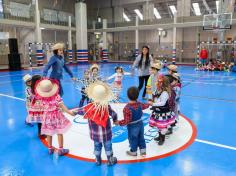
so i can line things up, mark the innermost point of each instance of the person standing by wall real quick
(143, 62)
(57, 63)
(203, 55)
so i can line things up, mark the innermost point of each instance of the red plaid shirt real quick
(128, 114)
(99, 133)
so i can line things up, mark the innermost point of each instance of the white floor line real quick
(210, 83)
(219, 76)
(215, 144)
(197, 140)
(16, 98)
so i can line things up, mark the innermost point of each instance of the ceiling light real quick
(126, 17)
(196, 9)
(173, 9)
(156, 13)
(217, 6)
(140, 15)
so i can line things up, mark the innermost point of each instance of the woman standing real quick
(143, 62)
(57, 63)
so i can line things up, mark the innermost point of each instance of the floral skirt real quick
(54, 122)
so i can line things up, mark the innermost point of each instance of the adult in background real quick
(203, 55)
(57, 63)
(143, 62)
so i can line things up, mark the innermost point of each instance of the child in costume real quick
(35, 107)
(133, 112)
(94, 73)
(175, 86)
(162, 114)
(172, 69)
(53, 121)
(118, 77)
(98, 112)
(151, 84)
(85, 81)
(28, 94)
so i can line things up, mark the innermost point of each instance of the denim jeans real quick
(136, 136)
(98, 148)
(61, 92)
(203, 61)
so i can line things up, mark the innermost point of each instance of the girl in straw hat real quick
(35, 108)
(97, 113)
(162, 116)
(53, 121)
(57, 63)
(151, 84)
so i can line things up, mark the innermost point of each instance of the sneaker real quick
(43, 136)
(62, 152)
(98, 160)
(50, 151)
(157, 138)
(162, 139)
(131, 153)
(143, 154)
(169, 132)
(29, 124)
(111, 160)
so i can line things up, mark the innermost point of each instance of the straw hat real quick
(58, 46)
(176, 76)
(172, 67)
(46, 88)
(156, 65)
(94, 66)
(100, 92)
(27, 78)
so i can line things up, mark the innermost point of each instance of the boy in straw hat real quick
(151, 84)
(97, 113)
(57, 63)
(53, 121)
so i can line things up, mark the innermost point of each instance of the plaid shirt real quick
(99, 133)
(128, 114)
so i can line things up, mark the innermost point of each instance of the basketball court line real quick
(197, 140)
(210, 83)
(208, 98)
(12, 97)
(215, 144)
(218, 76)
